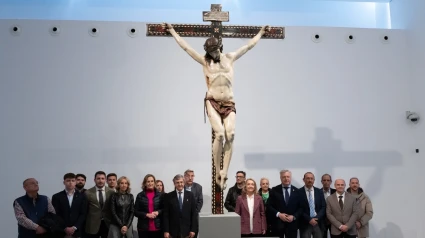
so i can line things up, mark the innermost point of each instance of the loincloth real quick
(224, 108)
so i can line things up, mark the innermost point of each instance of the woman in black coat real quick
(122, 209)
(148, 209)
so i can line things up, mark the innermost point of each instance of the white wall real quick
(408, 14)
(77, 103)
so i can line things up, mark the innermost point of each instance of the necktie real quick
(101, 198)
(311, 204)
(341, 204)
(286, 195)
(180, 201)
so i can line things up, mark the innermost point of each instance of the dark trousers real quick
(252, 235)
(325, 231)
(150, 234)
(309, 231)
(288, 233)
(343, 235)
(103, 231)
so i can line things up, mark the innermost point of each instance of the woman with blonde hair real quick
(250, 207)
(122, 209)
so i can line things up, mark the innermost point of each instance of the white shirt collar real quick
(102, 188)
(308, 189)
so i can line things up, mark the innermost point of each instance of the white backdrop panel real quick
(134, 105)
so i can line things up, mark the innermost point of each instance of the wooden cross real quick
(217, 30)
(216, 16)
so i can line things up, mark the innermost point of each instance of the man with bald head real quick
(30, 208)
(341, 210)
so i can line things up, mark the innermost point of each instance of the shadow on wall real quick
(326, 156)
(391, 230)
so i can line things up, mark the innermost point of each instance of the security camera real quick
(412, 116)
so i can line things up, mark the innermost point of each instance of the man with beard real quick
(219, 100)
(81, 182)
(365, 210)
(235, 191)
(313, 205)
(98, 213)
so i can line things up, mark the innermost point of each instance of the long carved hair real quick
(212, 44)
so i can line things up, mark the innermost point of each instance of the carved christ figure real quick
(219, 101)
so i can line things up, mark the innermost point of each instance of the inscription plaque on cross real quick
(216, 30)
(216, 17)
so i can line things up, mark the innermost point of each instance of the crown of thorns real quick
(212, 44)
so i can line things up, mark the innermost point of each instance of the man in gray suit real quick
(98, 213)
(196, 189)
(341, 210)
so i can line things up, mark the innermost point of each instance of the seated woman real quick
(122, 209)
(250, 208)
(148, 209)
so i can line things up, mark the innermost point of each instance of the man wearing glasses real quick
(235, 191)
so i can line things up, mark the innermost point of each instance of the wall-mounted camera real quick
(412, 116)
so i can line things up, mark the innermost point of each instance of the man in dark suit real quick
(71, 206)
(327, 191)
(313, 205)
(98, 213)
(341, 210)
(283, 207)
(180, 216)
(196, 189)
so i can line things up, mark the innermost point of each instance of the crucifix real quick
(219, 103)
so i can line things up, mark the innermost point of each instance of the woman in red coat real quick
(250, 207)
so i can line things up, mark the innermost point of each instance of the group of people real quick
(284, 210)
(107, 209)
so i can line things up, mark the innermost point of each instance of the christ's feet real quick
(221, 182)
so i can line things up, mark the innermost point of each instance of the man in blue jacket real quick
(30, 208)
